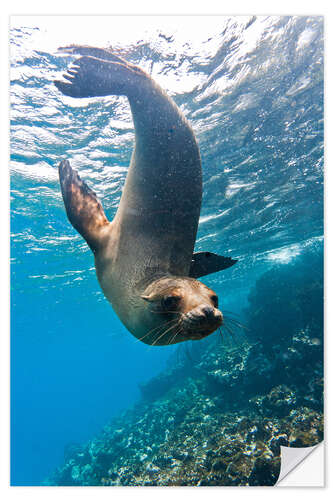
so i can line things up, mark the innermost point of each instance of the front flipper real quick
(204, 263)
(83, 208)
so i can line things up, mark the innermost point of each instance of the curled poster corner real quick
(295, 465)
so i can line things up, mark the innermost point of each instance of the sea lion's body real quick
(150, 242)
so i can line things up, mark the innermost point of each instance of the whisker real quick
(157, 328)
(164, 312)
(225, 338)
(172, 322)
(237, 323)
(149, 332)
(219, 338)
(233, 326)
(172, 326)
(232, 313)
(232, 317)
(230, 331)
(175, 335)
(162, 335)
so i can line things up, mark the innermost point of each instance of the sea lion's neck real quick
(151, 127)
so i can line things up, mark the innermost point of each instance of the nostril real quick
(208, 311)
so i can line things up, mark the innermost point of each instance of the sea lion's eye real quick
(171, 302)
(215, 300)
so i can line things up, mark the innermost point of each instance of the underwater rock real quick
(222, 424)
(287, 299)
(279, 401)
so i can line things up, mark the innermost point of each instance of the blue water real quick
(253, 90)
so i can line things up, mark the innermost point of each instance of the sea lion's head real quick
(182, 308)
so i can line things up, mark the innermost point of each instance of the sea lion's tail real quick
(98, 72)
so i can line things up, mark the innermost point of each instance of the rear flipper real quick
(99, 74)
(83, 208)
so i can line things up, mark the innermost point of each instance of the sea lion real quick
(144, 258)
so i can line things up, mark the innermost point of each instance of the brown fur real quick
(145, 253)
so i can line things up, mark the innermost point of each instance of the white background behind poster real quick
(314, 462)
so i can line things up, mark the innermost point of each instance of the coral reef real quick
(219, 420)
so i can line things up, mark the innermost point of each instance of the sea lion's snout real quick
(202, 320)
(209, 312)
(204, 314)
